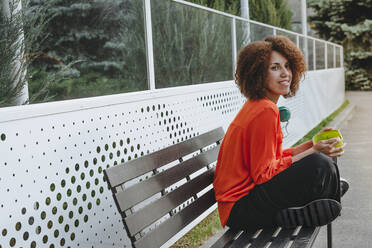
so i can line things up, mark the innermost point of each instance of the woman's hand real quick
(328, 148)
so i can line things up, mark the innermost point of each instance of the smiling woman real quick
(279, 77)
(257, 183)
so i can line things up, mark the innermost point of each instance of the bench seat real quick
(161, 193)
(276, 237)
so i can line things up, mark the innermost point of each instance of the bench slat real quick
(264, 237)
(284, 237)
(246, 238)
(302, 238)
(226, 238)
(134, 168)
(172, 226)
(154, 211)
(145, 189)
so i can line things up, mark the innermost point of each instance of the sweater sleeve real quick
(265, 152)
(288, 152)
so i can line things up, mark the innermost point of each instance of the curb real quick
(344, 116)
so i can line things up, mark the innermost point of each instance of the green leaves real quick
(273, 12)
(348, 22)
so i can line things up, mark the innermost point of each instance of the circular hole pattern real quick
(86, 188)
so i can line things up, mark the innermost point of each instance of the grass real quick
(322, 124)
(201, 232)
(211, 224)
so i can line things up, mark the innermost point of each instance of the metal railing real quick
(156, 44)
(319, 54)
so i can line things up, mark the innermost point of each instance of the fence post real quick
(334, 56)
(233, 40)
(244, 8)
(314, 54)
(149, 46)
(325, 55)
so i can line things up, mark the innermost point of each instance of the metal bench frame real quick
(153, 209)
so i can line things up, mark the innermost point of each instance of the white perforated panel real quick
(53, 193)
(52, 156)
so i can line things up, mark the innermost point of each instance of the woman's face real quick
(278, 78)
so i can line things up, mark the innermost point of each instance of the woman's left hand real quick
(328, 148)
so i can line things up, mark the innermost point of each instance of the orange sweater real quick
(250, 154)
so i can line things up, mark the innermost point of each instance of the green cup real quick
(329, 135)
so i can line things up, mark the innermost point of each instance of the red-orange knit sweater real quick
(250, 154)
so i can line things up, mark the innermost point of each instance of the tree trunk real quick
(19, 73)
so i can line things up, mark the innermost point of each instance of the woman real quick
(257, 184)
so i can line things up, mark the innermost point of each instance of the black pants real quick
(313, 177)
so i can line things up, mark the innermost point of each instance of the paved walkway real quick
(354, 227)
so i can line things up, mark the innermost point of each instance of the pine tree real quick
(80, 30)
(103, 40)
(28, 23)
(348, 22)
(283, 13)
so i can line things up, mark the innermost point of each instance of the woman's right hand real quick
(328, 148)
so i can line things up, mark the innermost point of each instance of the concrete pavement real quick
(354, 227)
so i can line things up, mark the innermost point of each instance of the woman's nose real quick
(285, 71)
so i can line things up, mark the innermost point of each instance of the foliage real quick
(19, 47)
(229, 6)
(109, 39)
(103, 41)
(101, 46)
(195, 49)
(348, 22)
(273, 12)
(80, 31)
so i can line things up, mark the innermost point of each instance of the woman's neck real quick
(272, 97)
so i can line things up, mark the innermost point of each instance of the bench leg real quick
(329, 235)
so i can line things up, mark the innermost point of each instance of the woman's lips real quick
(284, 83)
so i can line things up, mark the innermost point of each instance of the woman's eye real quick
(275, 67)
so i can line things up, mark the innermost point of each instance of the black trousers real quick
(313, 177)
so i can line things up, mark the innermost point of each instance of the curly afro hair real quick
(253, 63)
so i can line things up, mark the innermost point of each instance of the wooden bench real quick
(161, 193)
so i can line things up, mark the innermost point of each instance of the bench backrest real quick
(162, 192)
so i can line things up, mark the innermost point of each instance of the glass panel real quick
(303, 47)
(310, 45)
(242, 34)
(191, 46)
(330, 58)
(320, 49)
(291, 36)
(259, 32)
(338, 57)
(104, 42)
